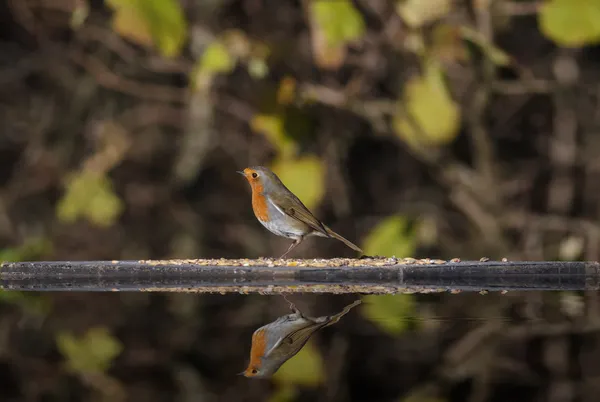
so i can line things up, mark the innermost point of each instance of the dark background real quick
(122, 126)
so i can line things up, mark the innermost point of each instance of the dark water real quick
(448, 346)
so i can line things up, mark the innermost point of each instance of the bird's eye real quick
(254, 175)
(254, 371)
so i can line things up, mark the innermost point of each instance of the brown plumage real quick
(282, 213)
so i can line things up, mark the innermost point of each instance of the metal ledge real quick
(273, 276)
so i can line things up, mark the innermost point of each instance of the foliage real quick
(35, 304)
(272, 126)
(335, 24)
(158, 23)
(391, 237)
(340, 21)
(304, 176)
(223, 54)
(417, 13)
(90, 195)
(391, 313)
(305, 368)
(216, 59)
(32, 249)
(571, 23)
(91, 353)
(427, 115)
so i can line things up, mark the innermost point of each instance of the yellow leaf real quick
(80, 13)
(327, 56)
(272, 127)
(447, 44)
(287, 91)
(422, 394)
(257, 68)
(428, 115)
(151, 22)
(90, 195)
(131, 25)
(391, 313)
(571, 23)
(417, 13)
(32, 249)
(216, 59)
(494, 53)
(334, 24)
(305, 368)
(32, 303)
(340, 21)
(285, 393)
(92, 353)
(391, 238)
(304, 176)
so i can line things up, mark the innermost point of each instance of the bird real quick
(282, 213)
(275, 343)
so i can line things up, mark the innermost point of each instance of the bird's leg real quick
(292, 246)
(292, 305)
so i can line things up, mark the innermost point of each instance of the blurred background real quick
(438, 128)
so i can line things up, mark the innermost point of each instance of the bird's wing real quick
(291, 344)
(293, 207)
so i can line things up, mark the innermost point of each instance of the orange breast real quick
(259, 202)
(257, 351)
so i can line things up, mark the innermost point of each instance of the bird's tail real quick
(347, 242)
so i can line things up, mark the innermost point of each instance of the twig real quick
(116, 44)
(483, 154)
(523, 87)
(110, 80)
(152, 114)
(563, 143)
(514, 8)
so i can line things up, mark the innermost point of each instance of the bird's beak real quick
(242, 173)
(242, 373)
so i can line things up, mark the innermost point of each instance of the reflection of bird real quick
(275, 343)
(280, 211)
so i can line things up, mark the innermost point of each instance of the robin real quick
(280, 211)
(277, 342)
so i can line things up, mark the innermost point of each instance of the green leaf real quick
(571, 23)
(92, 353)
(421, 394)
(304, 176)
(90, 195)
(447, 44)
(32, 303)
(32, 249)
(284, 393)
(257, 68)
(305, 368)
(390, 238)
(428, 114)
(417, 13)
(162, 20)
(391, 313)
(273, 128)
(339, 20)
(216, 59)
(80, 14)
(498, 56)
